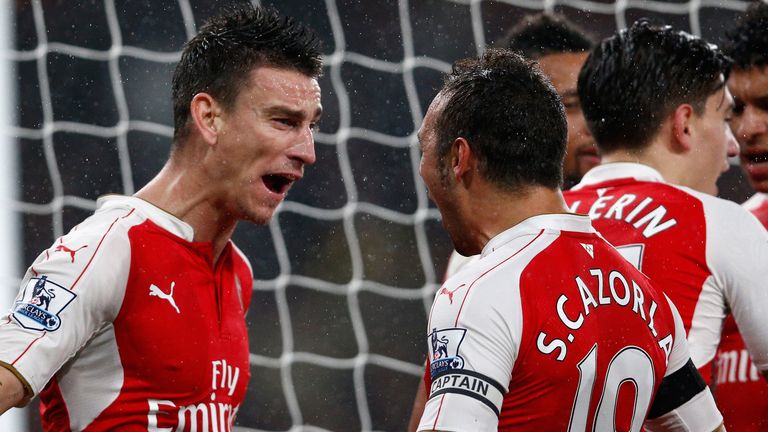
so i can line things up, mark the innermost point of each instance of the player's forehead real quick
(270, 86)
(720, 101)
(430, 118)
(748, 84)
(562, 69)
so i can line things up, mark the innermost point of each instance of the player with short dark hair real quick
(742, 394)
(560, 48)
(543, 34)
(623, 110)
(656, 101)
(135, 318)
(748, 47)
(542, 332)
(219, 59)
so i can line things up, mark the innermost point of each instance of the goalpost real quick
(15, 419)
(346, 270)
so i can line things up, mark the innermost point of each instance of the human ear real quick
(682, 128)
(205, 113)
(462, 159)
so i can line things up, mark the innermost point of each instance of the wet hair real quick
(220, 58)
(747, 42)
(511, 116)
(633, 80)
(542, 34)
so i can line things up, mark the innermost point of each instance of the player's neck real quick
(496, 210)
(178, 190)
(675, 167)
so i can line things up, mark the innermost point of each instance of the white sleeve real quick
(680, 354)
(68, 294)
(471, 375)
(737, 253)
(698, 412)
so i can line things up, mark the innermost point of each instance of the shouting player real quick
(551, 329)
(656, 102)
(560, 48)
(742, 394)
(134, 320)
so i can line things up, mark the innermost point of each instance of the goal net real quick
(346, 270)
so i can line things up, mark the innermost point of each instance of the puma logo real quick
(72, 252)
(449, 293)
(154, 291)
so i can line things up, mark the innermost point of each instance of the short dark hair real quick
(542, 34)
(636, 78)
(511, 116)
(747, 42)
(219, 59)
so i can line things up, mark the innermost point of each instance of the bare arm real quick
(418, 407)
(11, 390)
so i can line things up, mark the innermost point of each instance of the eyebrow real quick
(291, 113)
(569, 93)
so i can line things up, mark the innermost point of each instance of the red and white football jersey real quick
(551, 329)
(758, 205)
(125, 323)
(742, 392)
(707, 254)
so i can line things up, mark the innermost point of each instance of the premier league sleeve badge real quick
(40, 304)
(443, 350)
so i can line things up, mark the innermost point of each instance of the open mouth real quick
(278, 183)
(756, 158)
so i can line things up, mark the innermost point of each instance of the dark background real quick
(346, 270)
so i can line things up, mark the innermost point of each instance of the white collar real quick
(617, 170)
(157, 215)
(536, 224)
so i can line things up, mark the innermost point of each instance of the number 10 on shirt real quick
(630, 365)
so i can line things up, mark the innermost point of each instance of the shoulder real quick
(726, 218)
(756, 201)
(105, 228)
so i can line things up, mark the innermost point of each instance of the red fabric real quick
(196, 358)
(680, 274)
(53, 410)
(741, 392)
(528, 405)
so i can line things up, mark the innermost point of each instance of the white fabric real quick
(699, 414)
(755, 201)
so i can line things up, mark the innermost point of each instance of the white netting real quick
(362, 377)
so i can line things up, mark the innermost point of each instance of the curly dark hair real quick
(542, 34)
(636, 78)
(219, 59)
(511, 116)
(747, 42)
